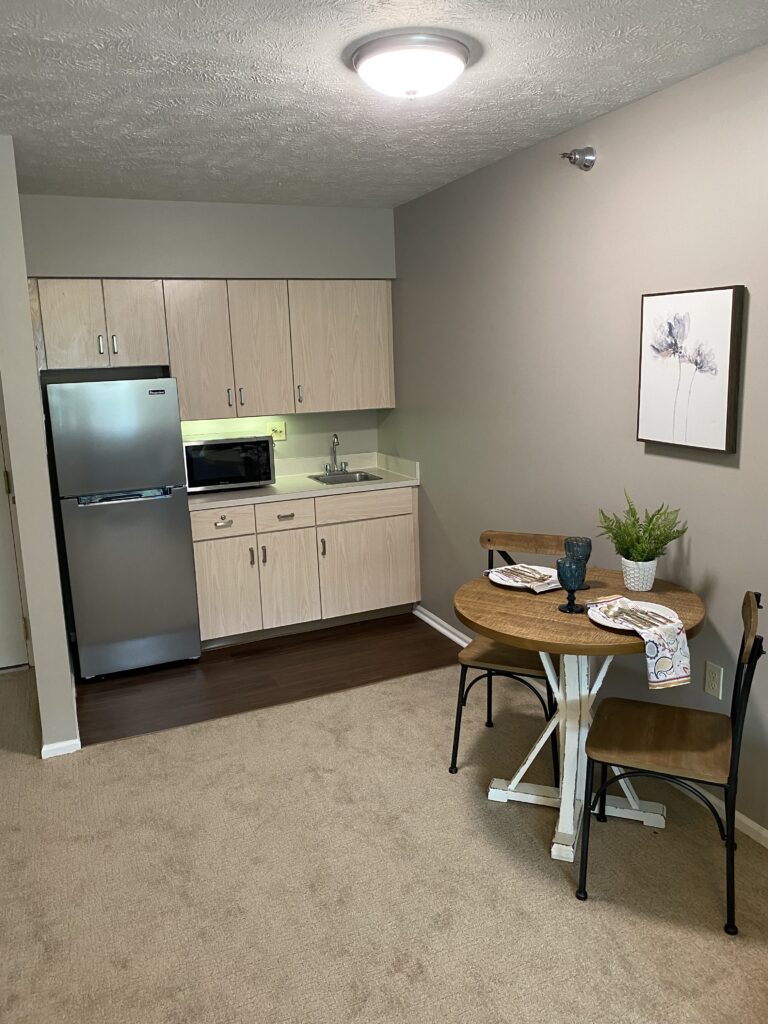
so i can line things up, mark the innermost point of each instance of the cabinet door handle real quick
(253, 556)
(286, 515)
(223, 524)
(230, 398)
(101, 344)
(263, 554)
(114, 344)
(241, 392)
(300, 391)
(322, 546)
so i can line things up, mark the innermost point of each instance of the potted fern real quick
(641, 541)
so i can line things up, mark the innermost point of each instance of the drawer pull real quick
(101, 344)
(300, 391)
(114, 344)
(263, 555)
(253, 556)
(223, 524)
(286, 515)
(241, 393)
(230, 398)
(322, 546)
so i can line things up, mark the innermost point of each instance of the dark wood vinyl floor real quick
(258, 675)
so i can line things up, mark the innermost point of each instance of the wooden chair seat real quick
(660, 738)
(488, 654)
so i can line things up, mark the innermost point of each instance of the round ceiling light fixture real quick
(409, 66)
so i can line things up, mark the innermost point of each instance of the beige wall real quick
(26, 444)
(517, 325)
(76, 237)
(306, 434)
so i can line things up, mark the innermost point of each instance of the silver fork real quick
(653, 617)
(525, 573)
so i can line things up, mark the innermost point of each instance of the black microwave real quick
(228, 464)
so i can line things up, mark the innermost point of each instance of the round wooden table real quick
(533, 622)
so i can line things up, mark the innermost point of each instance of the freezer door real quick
(115, 435)
(132, 581)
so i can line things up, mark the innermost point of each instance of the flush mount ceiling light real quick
(410, 65)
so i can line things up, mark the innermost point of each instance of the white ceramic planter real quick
(638, 575)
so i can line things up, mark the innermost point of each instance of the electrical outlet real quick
(277, 430)
(713, 680)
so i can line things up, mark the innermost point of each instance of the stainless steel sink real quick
(344, 478)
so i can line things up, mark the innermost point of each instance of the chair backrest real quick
(501, 543)
(750, 652)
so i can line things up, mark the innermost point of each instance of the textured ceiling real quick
(249, 101)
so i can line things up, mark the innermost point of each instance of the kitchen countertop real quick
(297, 486)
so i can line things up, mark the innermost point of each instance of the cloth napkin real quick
(666, 650)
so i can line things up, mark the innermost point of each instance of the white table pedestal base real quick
(574, 694)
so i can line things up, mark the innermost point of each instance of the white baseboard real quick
(62, 747)
(744, 824)
(441, 625)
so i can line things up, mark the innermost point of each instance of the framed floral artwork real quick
(690, 359)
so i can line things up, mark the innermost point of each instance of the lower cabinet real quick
(367, 565)
(290, 588)
(281, 563)
(228, 595)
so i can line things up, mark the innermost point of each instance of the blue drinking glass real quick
(579, 547)
(570, 573)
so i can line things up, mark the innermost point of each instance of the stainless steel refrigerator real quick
(123, 520)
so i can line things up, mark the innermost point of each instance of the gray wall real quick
(517, 324)
(74, 237)
(26, 444)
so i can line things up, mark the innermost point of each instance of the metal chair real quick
(682, 745)
(496, 659)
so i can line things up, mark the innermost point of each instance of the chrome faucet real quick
(334, 451)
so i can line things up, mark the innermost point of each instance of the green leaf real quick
(642, 540)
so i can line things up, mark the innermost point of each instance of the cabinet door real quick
(136, 323)
(290, 586)
(367, 565)
(341, 334)
(200, 348)
(261, 346)
(72, 313)
(228, 596)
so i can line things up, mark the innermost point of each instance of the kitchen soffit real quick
(238, 101)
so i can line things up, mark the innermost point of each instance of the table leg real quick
(574, 722)
(574, 696)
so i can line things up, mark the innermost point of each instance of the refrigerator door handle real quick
(124, 499)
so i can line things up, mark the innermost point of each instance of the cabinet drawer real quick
(285, 515)
(346, 508)
(234, 521)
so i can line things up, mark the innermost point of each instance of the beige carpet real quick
(316, 862)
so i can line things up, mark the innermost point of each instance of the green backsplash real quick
(306, 434)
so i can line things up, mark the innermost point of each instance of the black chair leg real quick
(457, 727)
(581, 892)
(553, 741)
(730, 861)
(601, 815)
(489, 712)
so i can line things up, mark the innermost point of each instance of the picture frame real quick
(690, 367)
